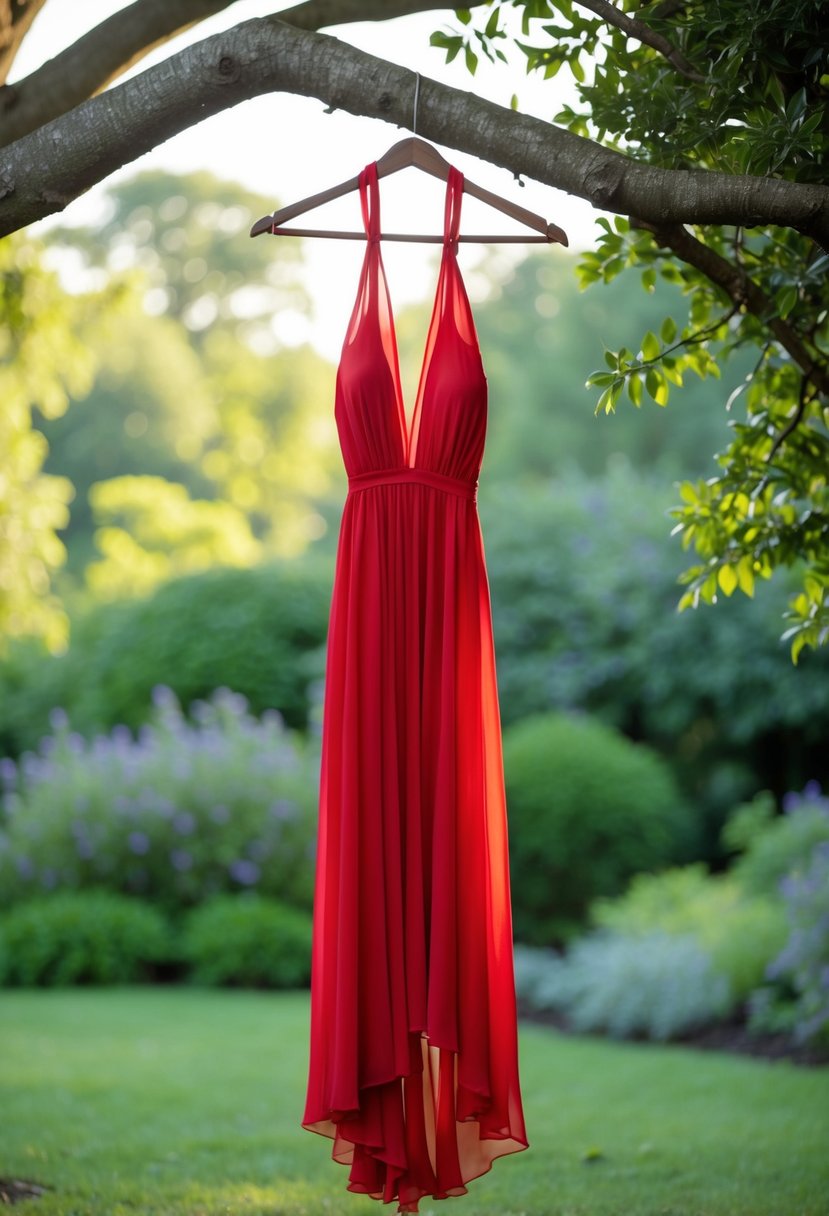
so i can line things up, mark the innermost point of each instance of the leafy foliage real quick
(82, 937)
(260, 631)
(740, 933)
(248, 941)
(183, 233)
(773, 846)
(194, 382)
(152, 531)
(798, 996)
(41, 362)
(653, 985)
(181, 812)
(587, 809)
(583, 578)
(745, 91)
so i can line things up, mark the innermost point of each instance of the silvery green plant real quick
(655, 985)
(189, 808)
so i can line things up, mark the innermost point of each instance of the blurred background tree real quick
(194, 386)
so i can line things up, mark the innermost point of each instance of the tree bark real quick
(111, 48)
(15, 18)
(45, 170)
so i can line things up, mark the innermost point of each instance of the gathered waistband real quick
(452, 485)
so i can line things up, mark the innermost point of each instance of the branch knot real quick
(228, 69)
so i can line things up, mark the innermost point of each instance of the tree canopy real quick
(701, 127)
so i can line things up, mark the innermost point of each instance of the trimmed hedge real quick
(248, 941)
(587, 809)
(261, 632)
(89, 937)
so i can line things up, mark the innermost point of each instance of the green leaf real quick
(656, 386)
(745, 575)
(650, 346)
(668, 330)
(450, 44)
(798, 642)
(649, 278)
(513, 102)
(471, 60)
(786, 300)
(492, 24)
(605, 402)
(727, 579)
(599, 379)
(635, 389)
(577, 69)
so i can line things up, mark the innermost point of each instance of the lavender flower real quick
(284, 808)
(139, 842)
(244, 871)
(98, 807)
(184, 823)
(164, 697)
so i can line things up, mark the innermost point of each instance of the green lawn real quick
(177, 1102)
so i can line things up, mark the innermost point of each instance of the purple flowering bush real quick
(182, 811)
(798, 997)
(772, 845)
(787, 856)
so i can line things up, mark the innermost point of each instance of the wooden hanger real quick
(416, 152)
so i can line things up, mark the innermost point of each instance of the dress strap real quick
(452, 212)
(370, 202)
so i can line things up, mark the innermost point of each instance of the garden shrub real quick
(656, 985)
(89, 937)
(798, 997)
(583, 574)
(183, 811)
(260, 631)
(773, 845)
(248, 941)
(741, 933)
(587, 809)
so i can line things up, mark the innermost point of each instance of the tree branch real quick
(44, 171)
(320, 14)
(742, 289)
(111, 48)
(643, 33)
(15, 18)
(88, 65)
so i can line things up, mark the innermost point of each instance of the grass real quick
(186, 1102)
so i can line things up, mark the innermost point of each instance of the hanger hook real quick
(414, 110)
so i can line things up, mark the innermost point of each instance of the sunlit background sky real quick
(287, 148)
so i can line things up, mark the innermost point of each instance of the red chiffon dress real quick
(413, 1033)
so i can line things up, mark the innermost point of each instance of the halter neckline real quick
(370, 205)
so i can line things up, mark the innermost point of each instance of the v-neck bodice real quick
(447, 431)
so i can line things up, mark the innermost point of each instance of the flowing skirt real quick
(413, 1069)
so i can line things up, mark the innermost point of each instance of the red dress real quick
(413, 1039)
